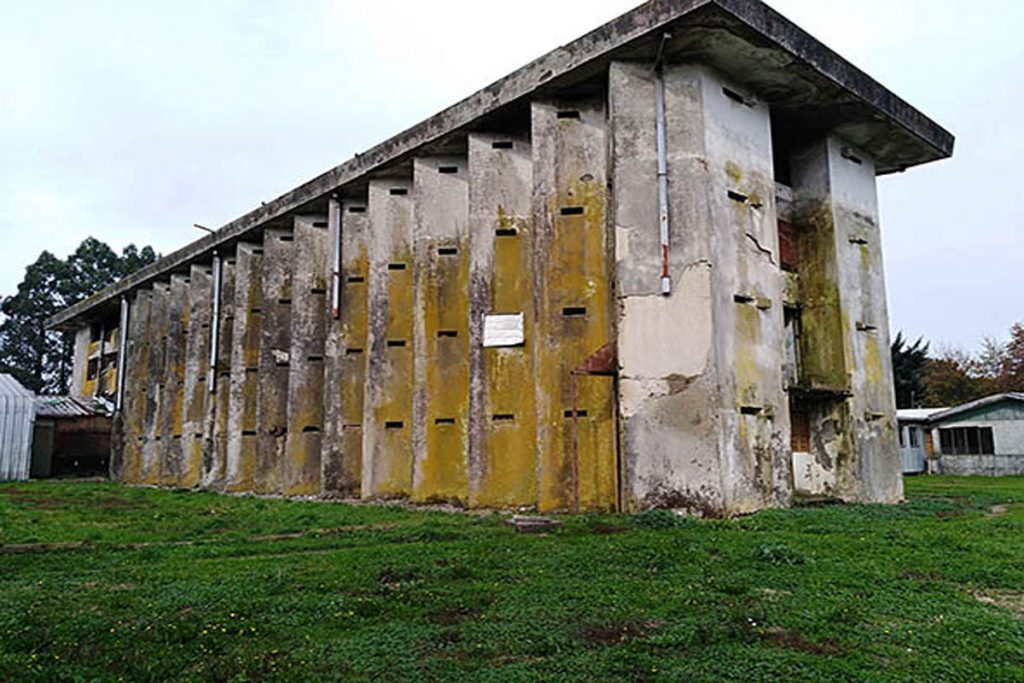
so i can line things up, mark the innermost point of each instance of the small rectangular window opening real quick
(738, 197)
(448, 170)
(249, 432)
(257, 252)
(502, 144)
(357, 209)
(320, 224)
(396, 266)
(318, 291)
(574, 311)
(568, 114)
(448, 334)
(398, 191)
(735, 96)
(744, 299)
(751, 410)
(287, 238)
(448, 251)
(310, 429)
(396, 343)
(353, 352)
(444, 421)
(506, 232)
(352, 428)
(285, 302)
(394, 425)
(315, 359)
(572, 211)
(355, 280)
(579, 413)
(504, 417)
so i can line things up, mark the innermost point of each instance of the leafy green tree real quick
(39, 358)
(908, 363)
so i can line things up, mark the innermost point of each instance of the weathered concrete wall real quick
(306, 378)
(345, 351)
(136, 386)
(242, 441)
(275, 359)
(441, 330)
(194, 390)
(156, 340)
(175, 339)
(502, 422)
(218, 410)
(704, 414)
(845, 343)
(387, 423)
(576, 443)
(80, 370)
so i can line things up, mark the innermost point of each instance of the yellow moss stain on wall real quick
(353, 320)
(509, 436)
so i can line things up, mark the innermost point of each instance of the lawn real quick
(102, 582)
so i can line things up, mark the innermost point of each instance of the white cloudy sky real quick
(130, 121)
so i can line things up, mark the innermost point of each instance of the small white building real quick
(983, 437)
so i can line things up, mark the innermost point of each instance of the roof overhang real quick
(974, 405)
(748, 41)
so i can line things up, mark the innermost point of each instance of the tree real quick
(41, 359)
(908, 363)
(952, 379)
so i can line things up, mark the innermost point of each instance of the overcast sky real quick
(130, 121)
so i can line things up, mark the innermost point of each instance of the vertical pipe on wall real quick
(211, 377)
(334, 225)
(121, 355)
(663, 220)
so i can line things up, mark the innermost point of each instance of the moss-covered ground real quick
(102, 582)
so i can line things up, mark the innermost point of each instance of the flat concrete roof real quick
(803, 80)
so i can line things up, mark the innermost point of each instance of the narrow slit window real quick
(356, 280)
(502, 144)
(448, 251)
(444, 421)
(568, 114)
(396, 343)
(574, 311)
(399, 191)
(504, 417)
(352, 427)
(572, 211)
(735, 96)
(318, 291)
(287, 238)
(448, 170)
(285, 302)
(249, 432)
(255, 310)
(394, 425)
(315, 359)
(744, 299)
(310, 429)
(357, 209)
(447, 334)
(751, 410)
(506, 232)
(396, 266)
(320, 224)
(353, 352)
(579, 413)
(738, 197)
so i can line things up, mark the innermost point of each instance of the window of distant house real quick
(903, 444)
(915, 437)
(967, 441)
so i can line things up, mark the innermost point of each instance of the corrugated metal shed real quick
(69, 406)
(17, 414)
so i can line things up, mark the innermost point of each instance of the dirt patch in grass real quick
(998, 511)
(790, 640)
(1007, 599)
(615, 633)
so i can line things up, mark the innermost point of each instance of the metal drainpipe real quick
(334, 222)
(122, 354)
(211, 378)
(663, 220)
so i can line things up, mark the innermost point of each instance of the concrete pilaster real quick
(502, 423)
(387, 423)
(306, 378)
(156, 337)
(345, 351)
(136, 386)
(275, 359)
(243, 390)
(845, 324)
(195, 392)
(576, 438)
(441, 323)
(175, 341)
(218, 404)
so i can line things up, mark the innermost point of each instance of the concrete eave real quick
(745, 39)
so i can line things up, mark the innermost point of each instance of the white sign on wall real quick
(503, 330)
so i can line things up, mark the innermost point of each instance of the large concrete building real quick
(643, 270)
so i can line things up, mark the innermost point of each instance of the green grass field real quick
(101, 582)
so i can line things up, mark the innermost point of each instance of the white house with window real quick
(915, 442)
(983, 437)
